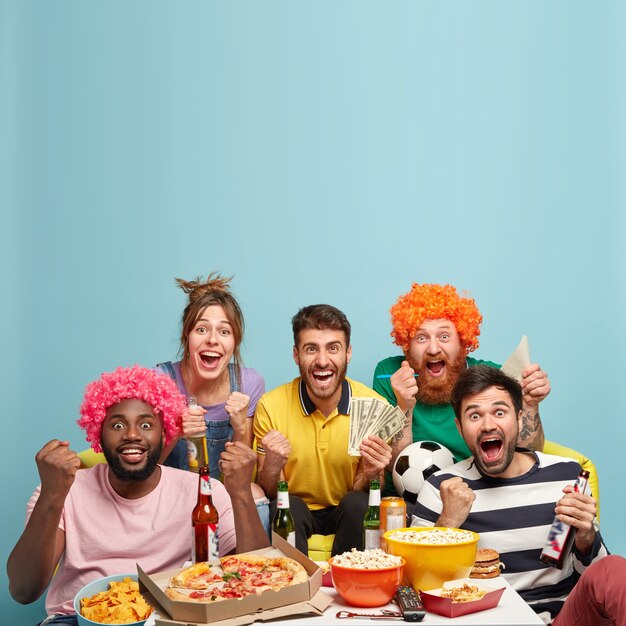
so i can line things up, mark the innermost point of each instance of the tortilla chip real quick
(121, 604)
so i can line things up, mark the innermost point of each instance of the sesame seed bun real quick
(487, 564)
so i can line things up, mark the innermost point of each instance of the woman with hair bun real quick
(211, 372)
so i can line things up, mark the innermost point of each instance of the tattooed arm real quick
(531, 433)
(535, 388)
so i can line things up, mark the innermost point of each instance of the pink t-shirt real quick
(106, 534)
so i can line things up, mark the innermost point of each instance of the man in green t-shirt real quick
(437, 329)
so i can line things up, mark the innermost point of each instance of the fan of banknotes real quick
(372, 416)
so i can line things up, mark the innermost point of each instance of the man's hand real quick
(237, 463)
(457, 500)
(277, 450)
(535, 386)
(404, 387)
(193, 422)
(31, 564)
(376, 455)
(237, 409)
(57, 465)
(578, 510)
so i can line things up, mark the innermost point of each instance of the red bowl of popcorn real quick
(366, 579)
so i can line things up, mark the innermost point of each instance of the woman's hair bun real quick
(198, 287)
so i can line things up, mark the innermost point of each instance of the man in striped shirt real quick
(508, 494)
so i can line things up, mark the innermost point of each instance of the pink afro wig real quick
(156, 389)
(435, 302)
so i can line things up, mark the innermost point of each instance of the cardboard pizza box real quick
(315, 606)
(295, 599)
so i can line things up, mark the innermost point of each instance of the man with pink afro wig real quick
(436, 329)
(158, 390)
(103, 520)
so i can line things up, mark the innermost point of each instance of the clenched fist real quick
(404, 387)
(57, 465)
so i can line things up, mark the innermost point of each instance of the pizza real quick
(199, 576)
(236, 576)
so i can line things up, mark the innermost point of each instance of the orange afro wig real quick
(435, 302)
(156, 389)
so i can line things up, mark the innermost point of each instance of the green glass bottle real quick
(283, 524)
(371, 521)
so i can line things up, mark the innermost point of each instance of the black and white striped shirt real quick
(513, 516)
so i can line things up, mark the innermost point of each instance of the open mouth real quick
(210, 359)
(491, 448)
(132, 454)
(323, 376)
(436, 367)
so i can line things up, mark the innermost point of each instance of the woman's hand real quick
(193, 422)
(237, 409)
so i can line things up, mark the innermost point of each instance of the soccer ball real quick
(415, 464)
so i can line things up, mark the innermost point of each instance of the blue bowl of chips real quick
(111, 598)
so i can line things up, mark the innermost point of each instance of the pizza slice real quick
(199, 576)
(210, 595)
(261, 571)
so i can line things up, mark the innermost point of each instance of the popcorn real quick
(435, 536)
(368, 559)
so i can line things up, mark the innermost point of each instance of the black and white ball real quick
(415, 464)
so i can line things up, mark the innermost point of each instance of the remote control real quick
(410, 604)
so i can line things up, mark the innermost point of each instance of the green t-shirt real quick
(431, 422)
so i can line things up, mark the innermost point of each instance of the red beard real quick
(437, 390)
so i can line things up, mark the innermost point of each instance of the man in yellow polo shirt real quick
(302, 431)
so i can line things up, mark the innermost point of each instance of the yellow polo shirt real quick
(319, 469)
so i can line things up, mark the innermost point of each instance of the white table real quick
(511, 611)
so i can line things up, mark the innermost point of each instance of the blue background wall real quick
(319, 152)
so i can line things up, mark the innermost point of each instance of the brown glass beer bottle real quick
(204, 521)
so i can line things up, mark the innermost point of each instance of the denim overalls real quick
(217, 432)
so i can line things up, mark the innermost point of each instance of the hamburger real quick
(487, 564)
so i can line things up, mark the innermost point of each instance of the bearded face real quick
(126, 474)
(132, 439)
(437, 356)
(438, 390)
(322, 357)
(490, 427)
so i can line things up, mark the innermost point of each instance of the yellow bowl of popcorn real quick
(433, 554)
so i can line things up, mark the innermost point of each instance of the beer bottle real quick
(371, 521)
(197, 451)
(561, 536)
(204, 521)
(283, 524)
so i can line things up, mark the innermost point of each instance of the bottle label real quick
(197, 453)
(282, 500)
(582, 485)
(291, 538)
(204, 542)
(372, 538)
(205, 486)
(556, 539)
(192, 456)
(374, 499)
(214, 553)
